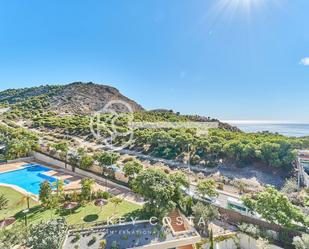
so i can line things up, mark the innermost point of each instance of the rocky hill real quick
(74, 98)
(83, 98)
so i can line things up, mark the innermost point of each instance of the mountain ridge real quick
(82, 99)
(73, 98)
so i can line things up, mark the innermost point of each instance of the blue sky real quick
(230, 59)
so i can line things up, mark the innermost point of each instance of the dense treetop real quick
(224, 143)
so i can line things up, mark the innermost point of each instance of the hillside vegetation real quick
(75, 98)
(42, 108)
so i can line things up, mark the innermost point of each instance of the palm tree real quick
(25, 199)
(52, 203)
(17, 148)
(86, 189)
(59, 185)
(116, 201)
(74, 159)
(62, 149)
(3, 202)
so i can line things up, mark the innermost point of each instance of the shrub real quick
(77, 238)
(47, 235)
(220, 186)
(92, 241)
(102, 244)
(102, 194)
(250, 229)
(114, 245)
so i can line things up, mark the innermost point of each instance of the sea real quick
(289, 129)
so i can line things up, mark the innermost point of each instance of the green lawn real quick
(17, 202)
(83, 214)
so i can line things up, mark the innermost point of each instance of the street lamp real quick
(106, 175)
(26, 221)
(25, 213)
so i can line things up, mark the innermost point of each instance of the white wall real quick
(60, 164)
(49, 160)
(23, 159)
(246, 242)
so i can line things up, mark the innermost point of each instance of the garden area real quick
(56, 212)
(83, 213)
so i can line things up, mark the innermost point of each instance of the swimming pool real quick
(28, 178)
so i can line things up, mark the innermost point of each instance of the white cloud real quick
(305, 61)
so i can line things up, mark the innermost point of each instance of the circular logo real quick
(112, 124)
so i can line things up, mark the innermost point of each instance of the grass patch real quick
(17, 202)
(82, 214)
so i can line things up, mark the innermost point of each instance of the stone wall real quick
(236, 218)
(51, 160)
(243, 240)
(40, 156)
(23, 159)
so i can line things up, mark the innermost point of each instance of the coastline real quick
(289, 129)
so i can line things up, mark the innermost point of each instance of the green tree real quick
(157, 189)
(116, 202)
(59, 185)
(45, 192)
(52, 202)
(25, 199)
(132, 169)
(179, 181)
(18, 148)
(86, 190)
(207, 187)
(203, 214)
(63, 149)
(74, 159)
(275, 207)
(106, 159)
(86, 161)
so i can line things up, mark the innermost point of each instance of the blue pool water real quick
(28, 178)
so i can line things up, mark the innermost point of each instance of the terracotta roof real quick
(186, 247)
(176, 225)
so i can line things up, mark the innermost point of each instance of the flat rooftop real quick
(138, 235)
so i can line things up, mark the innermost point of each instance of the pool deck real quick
(73, 185)
(11, 166)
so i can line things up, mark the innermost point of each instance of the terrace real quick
(141, 234)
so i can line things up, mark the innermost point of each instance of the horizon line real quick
(264, 122)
